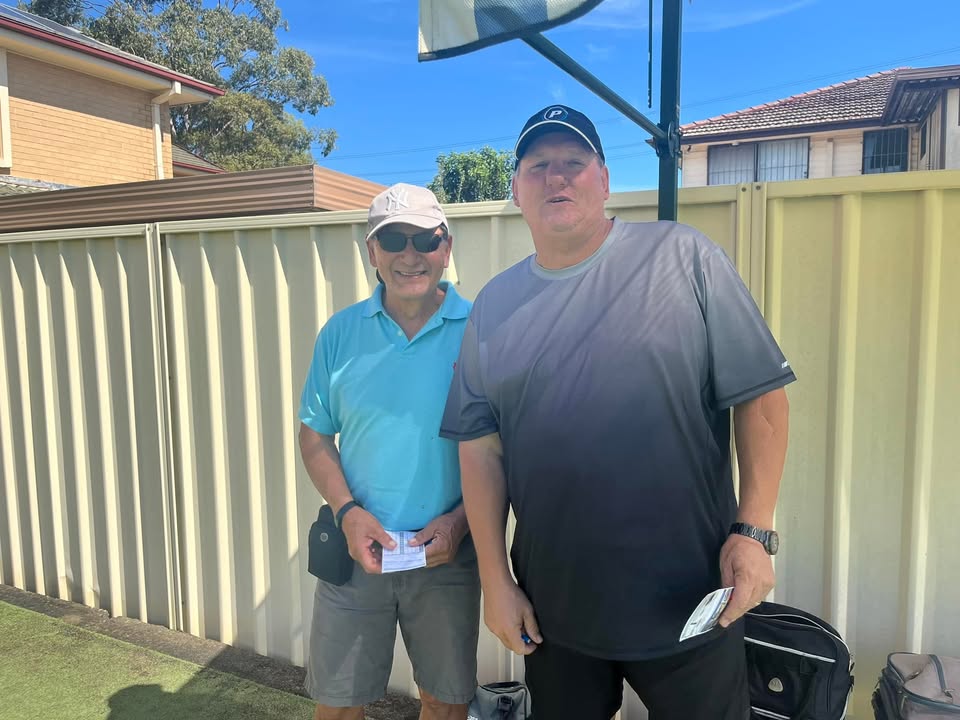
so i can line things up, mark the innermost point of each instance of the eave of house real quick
(121, 69)
(916, 91)
(782, 131)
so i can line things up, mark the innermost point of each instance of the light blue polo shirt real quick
(385, 396)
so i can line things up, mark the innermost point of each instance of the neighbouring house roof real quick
(186, 159)
(22, 31)
(902, 95)
(299, 188)
(10, 185)
(851, 102)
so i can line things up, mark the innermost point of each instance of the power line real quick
(445, 146)
(699, 103)
(433, 171)
(817, 78)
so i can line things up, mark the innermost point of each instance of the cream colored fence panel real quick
(245, 301)
(862, 292)
(86, 513)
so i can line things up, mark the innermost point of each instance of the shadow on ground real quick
(194, 699)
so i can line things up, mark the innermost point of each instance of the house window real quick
(730, 164)
(923, 139)
(758, 162)
(885, 151)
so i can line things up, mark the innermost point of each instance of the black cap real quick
(558, 117)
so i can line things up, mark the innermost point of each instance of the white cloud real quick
(599, 52)
(632, 15)
(357, 51)
(714, 22)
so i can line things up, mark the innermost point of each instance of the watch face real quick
(773, 542)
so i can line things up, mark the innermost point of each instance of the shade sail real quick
(455, 27)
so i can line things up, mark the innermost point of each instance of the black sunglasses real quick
(423, 242)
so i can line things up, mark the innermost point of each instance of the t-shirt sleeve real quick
(315, 410)
(745, 360)
(468, 414)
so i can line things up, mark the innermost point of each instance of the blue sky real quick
(394, 115)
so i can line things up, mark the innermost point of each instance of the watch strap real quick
(751, 531)
(344, 509)
(742, 528)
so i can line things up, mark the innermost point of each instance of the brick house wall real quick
(71, 128)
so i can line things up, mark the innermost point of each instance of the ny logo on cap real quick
(396, 199)
(555, 113)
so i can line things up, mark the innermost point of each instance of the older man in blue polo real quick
(379, 378)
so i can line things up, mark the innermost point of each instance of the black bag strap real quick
(804, 712)
(943, 680)
(505, 702)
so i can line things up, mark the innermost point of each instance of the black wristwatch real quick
(768, 538)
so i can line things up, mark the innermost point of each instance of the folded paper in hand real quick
(705, 617)
(403, 556)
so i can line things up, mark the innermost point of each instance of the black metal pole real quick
(668, 148)
(558, 57)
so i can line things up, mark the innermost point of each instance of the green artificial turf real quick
(51, 670)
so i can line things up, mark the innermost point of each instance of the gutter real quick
(199, 168)
(175, 90)
(778, 131)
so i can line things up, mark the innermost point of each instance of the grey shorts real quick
(355, 628)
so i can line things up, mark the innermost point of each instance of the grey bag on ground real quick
(918, 687)
(500, 701)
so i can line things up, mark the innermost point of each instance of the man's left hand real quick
(444, 533)
(745, 565)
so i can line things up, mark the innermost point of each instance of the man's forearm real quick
(485, 501)
(760, 428)
(322, 461)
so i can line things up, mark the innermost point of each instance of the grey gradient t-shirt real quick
(610, 384)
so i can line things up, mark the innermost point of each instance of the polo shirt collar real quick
(454, 307)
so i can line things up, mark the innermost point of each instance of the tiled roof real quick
(858, 101)
(21, 186)
(185, 157)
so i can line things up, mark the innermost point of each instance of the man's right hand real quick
(365, 536)
(508, 613)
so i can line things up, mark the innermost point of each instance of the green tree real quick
(65, 12)
(232, 44)
(473, 176)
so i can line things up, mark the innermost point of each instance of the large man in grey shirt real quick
(593, 394)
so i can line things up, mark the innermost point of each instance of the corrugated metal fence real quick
(149, 378)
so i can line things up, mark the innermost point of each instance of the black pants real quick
(708, 682)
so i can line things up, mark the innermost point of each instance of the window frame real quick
(754, 146)
(905, 164)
